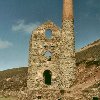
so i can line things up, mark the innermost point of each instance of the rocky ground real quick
(88, 75)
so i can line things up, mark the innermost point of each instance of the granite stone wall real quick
(68, 53)
(38, 63)
(62, 64)
(60, 49)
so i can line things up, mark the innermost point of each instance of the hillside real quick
(88, 64)
(91, 52)
(13, 79)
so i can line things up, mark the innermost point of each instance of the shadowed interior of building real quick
(47, 77)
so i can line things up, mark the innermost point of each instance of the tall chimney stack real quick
(68, 41)
(67, 10)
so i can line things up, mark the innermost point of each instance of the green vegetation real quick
(89, 63)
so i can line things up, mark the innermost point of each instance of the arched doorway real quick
(47, 77)
(95, 98)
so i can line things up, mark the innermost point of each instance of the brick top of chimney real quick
(67, 9)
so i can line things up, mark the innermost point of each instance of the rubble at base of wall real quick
(47, 94)
(50, 94)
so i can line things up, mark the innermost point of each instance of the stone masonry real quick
(60, 63)
(38, 63)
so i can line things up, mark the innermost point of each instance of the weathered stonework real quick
(61, 64)
(38, 62)
(68, 52)
(52, 73)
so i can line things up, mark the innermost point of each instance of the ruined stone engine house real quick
(52, 55)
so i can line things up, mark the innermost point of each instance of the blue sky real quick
(19, 17)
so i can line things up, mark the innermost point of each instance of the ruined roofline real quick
(46, 23)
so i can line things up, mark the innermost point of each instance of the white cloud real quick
(27, 28)
(5, 44)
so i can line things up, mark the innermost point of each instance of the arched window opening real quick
(95, 98)
(47, 77)
(48, 34)
(48, 55)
